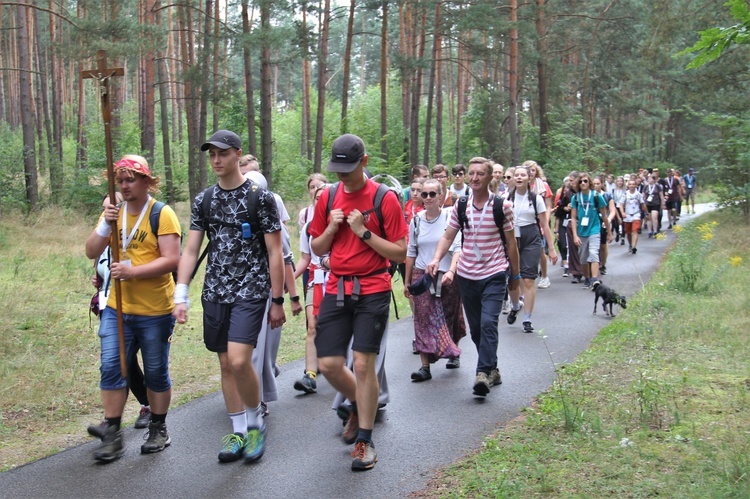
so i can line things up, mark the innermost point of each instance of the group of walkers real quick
(469, 252)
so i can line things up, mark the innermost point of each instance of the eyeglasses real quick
(426, 194)
(440, 177)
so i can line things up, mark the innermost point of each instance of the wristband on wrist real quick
(278, 301)
(103, 229)
(515, 277)
(294, 299)
(181, 293)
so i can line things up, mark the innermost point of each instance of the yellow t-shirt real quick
(153, 296)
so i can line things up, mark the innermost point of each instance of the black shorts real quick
(239, 322)
(364, 319)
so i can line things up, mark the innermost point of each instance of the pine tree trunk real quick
(416, 96)
(81, 142)
(322, 62)
(431, 89)
(148, 126)
(439, 99)
(384, 84)
(27, 114)
(515, 151)
(162, 76)
(266, 103)
(347, 68)
(247, 19)
(541, 37)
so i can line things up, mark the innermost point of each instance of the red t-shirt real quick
(410, 211)
(351, 256)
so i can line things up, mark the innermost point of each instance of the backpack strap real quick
(154, 217)
(377, 206)
(252, 215)
(499, 215)
(377, 203)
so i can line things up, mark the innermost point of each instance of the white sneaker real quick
(543, 283)
(506, 307)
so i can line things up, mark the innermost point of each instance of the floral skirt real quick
(431, 328)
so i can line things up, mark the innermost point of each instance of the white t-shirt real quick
(424, 240)
(523, 211)
(464, 191)
(632, 206)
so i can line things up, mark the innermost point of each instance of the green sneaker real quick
(232, 450)
(255, 444)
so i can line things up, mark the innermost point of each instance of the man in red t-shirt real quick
(357, 300)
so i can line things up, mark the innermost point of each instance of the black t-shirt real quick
(237, 268)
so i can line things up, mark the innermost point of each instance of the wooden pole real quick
(102, 74)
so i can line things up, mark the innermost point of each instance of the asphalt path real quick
(425, 426)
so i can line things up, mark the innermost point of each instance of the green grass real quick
(49, 348)
(658, 405)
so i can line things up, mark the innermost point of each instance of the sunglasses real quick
(584, 181)
(426, 194)
(507, 177)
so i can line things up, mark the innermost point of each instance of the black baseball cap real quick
(223, 139)
(346, 153)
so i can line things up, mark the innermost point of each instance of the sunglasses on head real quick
(426, 194)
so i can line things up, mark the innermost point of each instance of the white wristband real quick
(181, 294)
(104, 229)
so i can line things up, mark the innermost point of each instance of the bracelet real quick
(450, 270)
(294, 299)
(515, 277)
(103, 229)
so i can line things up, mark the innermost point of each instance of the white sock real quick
(239, 422)
(254, 418)
(527, 317)
(516, 304)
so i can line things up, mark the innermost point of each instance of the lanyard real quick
(587, 204)
(484, 210)
(126, 240)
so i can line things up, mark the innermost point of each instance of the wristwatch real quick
(278, 301)
(294, 299)
(366, 235)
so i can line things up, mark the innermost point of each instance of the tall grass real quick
(659, 405)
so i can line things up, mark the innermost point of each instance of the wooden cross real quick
(102, 74)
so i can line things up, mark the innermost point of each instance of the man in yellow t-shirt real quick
(146, 262)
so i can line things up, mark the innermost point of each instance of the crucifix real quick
(102, 75)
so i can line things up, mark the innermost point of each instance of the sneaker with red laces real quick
(364, 456)
(351, 428)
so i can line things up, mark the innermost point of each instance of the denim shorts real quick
(152, 334)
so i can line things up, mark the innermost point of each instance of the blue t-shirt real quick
(587, 207)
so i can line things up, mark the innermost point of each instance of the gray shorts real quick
(529, 251)
(589, 250)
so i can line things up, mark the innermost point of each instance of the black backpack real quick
(252, 215)
(497, 214)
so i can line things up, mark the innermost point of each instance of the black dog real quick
(609, 297)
